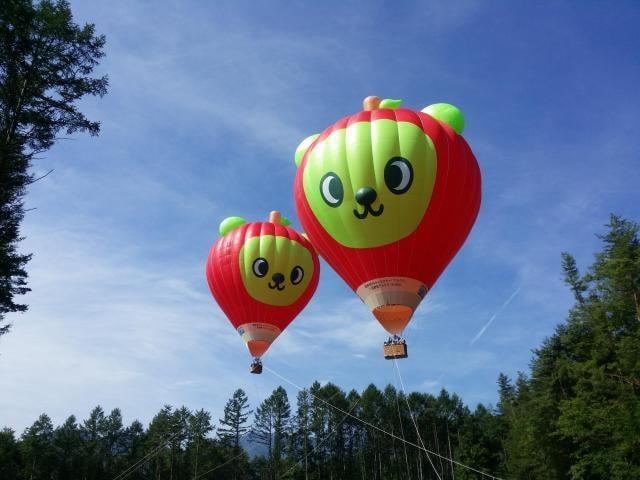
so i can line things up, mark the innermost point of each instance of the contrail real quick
(493, 317)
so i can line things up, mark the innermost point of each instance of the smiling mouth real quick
(273, 286)
(368, 210)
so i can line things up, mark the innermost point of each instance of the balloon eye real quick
(260, 267)
(331, 189)
(398, 175)
(297, 274)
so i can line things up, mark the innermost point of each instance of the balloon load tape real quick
(392, 300)
(258, 336)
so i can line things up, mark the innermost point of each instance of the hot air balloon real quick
(388, 196)
(262, 274)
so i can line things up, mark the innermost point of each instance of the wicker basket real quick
(395, 350)
(256, 368)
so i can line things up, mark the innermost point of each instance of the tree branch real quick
(31, 182)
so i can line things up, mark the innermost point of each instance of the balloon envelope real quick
(262, 275)
(388, 196)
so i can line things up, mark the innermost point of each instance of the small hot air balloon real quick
(262, 275)
(388, 196)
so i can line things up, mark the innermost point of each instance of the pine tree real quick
(10, 458)
(199, 427)
(272, 428)
(134, 442)
(159, 435)
(37, 446)
(572, 277)
(301, 440)
(46, 66)
(507, 394)
(180, 422)
(67, 442)
(112, 438)
(233, 424)
(92, 431)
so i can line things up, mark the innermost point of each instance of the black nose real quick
(366, 196)
(277, 277)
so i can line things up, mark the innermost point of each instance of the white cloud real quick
(102, 328)
(433, 384)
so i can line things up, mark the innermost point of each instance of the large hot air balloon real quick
(262, 275)
(388, 196)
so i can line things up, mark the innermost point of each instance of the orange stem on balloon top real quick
(274, 217)
(371, 103)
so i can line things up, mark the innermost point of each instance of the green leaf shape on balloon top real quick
(230, 223)
(390, 103)
(447, 113)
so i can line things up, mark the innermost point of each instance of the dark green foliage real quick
(578, 416)
(572, 277)
(46, 66)
(236, 414)
(37, 448)
(272, 428)
(10, 457)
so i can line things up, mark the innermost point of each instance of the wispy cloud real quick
(494, 316)
(431, 384)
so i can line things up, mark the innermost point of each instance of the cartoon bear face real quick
(369, 183)
(275, 270)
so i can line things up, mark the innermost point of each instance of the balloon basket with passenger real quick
(256, 366)
(395, 347)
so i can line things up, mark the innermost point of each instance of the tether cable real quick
(375, 427)
(404, 444)
(415, 424)
(128, 471)
(325, 439)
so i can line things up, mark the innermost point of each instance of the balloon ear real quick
(229, 224)
(303, 147)
(448, 114)
(285, 222)
(390, 103)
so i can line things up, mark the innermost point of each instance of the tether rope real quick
(221, 465)
(242, 452)
(375, 427)
(325, 438)
(453, 475)
(247, 433)
(415, 424)
(404, 445)
(128, 471)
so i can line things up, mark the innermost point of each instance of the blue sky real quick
(208, 101)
